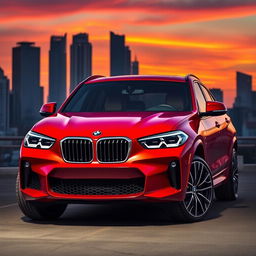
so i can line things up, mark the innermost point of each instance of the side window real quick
(200, 98)
(207, 95)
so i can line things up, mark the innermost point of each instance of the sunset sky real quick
(209, 38)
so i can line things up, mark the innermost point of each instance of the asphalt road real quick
(130, 229)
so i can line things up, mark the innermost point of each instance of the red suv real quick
(147, 138)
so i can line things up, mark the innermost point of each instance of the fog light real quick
(26, 164)
(24, 174)
(173, 164)
(174, 174)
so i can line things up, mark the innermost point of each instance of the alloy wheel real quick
(199, 191)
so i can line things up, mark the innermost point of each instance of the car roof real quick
(95, 79)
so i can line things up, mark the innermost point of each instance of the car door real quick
(210, 130)
(220, 141)
(225, 138)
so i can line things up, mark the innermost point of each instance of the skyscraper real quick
(120, 56)
(243, 90)
(217, 93)
(27, 93)
(127, 64)
(135, 67)
(80, 59)
(243, 108)
(117, 54)
(57, 69)
(4, 103)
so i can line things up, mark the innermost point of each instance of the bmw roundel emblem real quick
(96, 133)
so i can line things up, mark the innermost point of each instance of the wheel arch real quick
(198, 150)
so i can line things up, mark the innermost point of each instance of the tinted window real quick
(126, 96)
(200, 98)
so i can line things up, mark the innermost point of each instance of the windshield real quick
(130, 96)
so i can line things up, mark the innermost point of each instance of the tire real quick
(229, 190)
(199, 194)
(38, 210)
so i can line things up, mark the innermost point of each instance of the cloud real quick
(106, 4)
(43, 8)
(196, 4)
(19, 31)
(168, 36)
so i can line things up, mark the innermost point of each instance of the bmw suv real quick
(144, 138)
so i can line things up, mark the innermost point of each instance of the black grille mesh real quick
(112, 150)
(96, 186)
(77, 150)
(34, 181)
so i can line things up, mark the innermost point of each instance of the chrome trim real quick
(86, 138)
(128, 152)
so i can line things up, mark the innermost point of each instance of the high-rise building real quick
(27, 94)
(135, 67)
(127, 64)
(120, 56)
(243, 90)
(254, 100)
(117, 54)
(4, 103)
(57, 69)
(242, 112)
(217, 93)
(80, 59)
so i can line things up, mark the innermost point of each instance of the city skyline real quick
(211, 39)
(67, 65)
(21, 103)
(19, 110)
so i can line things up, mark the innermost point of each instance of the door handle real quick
(217, 124)
(227, 120)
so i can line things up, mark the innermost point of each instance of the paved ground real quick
(130, 229)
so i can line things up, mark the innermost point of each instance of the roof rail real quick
(92, 78)
(187, 76)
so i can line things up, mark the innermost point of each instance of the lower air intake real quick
(96, 186)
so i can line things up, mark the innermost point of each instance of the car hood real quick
(132, 125)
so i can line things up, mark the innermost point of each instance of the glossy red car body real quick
(211, 137)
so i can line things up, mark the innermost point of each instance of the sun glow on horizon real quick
(176, 38)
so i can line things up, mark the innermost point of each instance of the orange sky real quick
(211, 39)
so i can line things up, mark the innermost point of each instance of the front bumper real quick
(150, 164)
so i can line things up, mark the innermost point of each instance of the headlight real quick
(36, 140)
(164, 140)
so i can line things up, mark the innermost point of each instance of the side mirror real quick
(214, 108)
(48, 109)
